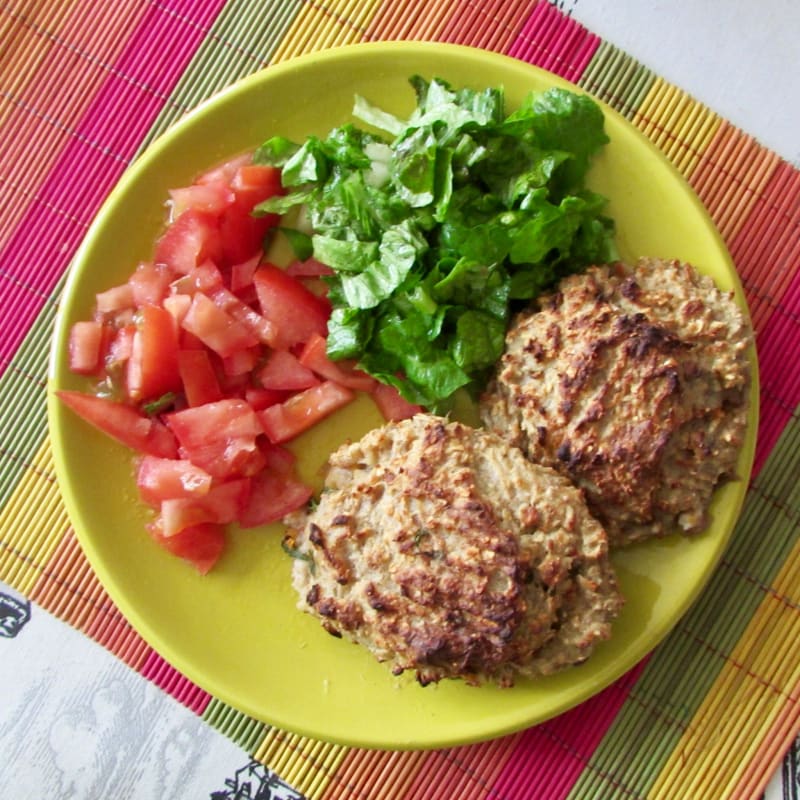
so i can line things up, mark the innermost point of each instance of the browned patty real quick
(444, 551)
(632, 381)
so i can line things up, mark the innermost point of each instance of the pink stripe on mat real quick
(172, 682)
(550, 757)
(569, 46)
(780, 388)
(115, 122)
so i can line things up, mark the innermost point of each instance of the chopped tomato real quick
(392, 405)
(115, 299)
(273, 495)
(254, 183)
(121, 346)
(212, 196)
(242, 273)
(238, 348)
(259, 399)
(226, 170)
(153, 365)
(282, 370)
(201, 544)
(315, 356)
(200, 383)
(87, 343)
(150, 283)
(190, 240)
(278, 459)
(241, 362)
(242, 233)
(295, 312)
(161, 479)
(260, 327)
(297, 414)
(216, 328)
(223, 504)
(123, 423)
(226, 419)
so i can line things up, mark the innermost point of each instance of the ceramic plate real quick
(236, 632)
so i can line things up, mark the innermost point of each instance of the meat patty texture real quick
(443, 550)
(634, 382)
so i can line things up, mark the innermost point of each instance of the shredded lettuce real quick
(439, 226)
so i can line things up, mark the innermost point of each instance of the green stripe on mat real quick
(617, 79)
(682, 670)
(245, 731)
(23, 403)
(241, 41)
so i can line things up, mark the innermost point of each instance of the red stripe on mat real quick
(174, 683)
(550, 757)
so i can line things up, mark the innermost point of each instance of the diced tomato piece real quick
(177, 305)
(216, 328)
(226, 170)
(259, 399)
(226, 419)
(315, 356)
(88, 340)
(228, 500)
(200, 383)
(279, 459)
(273, 496)
(254, 183)
(153, 365)
(302, 410)
(234, 385)
(242, 273)
(228, 458)
(115, 299)
(310, 268)
(161, 479)
(125, 424)
(121, 346)
(282, 370)
(296, 312)
(259, 326)
(241, 362)
(223, 504)
(201, 545)
(150, 283)
(242, 234)
(212, 196)
(190, 240)
(205, 277)
(392, 405)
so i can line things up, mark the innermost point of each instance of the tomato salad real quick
(209, 359)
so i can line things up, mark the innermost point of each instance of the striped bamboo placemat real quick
(84, 86)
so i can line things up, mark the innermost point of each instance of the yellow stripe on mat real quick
(306, 764)
(713, 753)
(318, 27)
(680, 126)
(32, 523)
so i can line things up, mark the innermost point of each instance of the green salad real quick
(437, 227)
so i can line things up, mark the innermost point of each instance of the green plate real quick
(236, 632)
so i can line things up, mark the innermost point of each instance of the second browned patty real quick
(444, 551)
(634, 382)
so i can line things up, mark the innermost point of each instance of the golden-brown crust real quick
(444, 551)
(634, 383)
